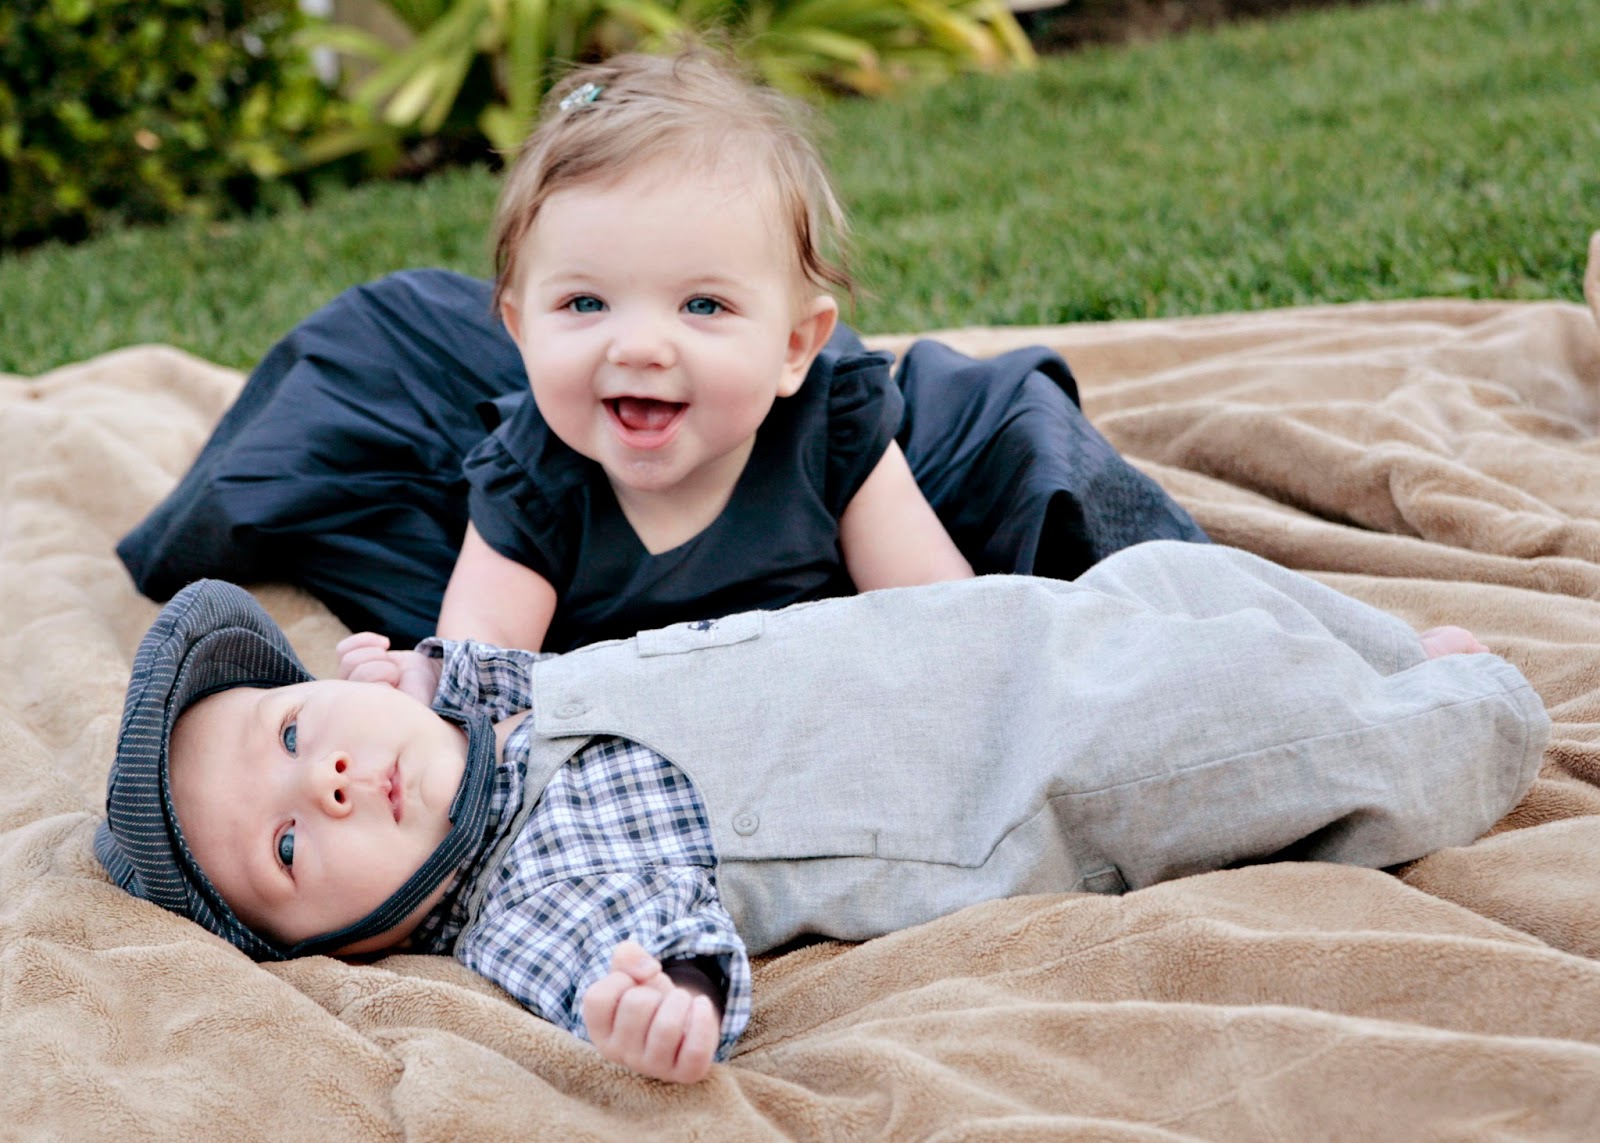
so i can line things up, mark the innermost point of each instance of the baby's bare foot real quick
(1451, 641)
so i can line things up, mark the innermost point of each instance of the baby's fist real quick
(637, 1017)
(365, 658)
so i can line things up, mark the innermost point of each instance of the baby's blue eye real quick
(290, 734)
(286, 847)
(586, 304)
(703, 307)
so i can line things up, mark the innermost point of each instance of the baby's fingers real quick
(664, 1036)
(382, 669)
(619, 1029)
(362, 639)
(356, 651)
(690, 1043)
(630, 957)
(600, 1002)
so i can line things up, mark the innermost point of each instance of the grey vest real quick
(872, 762)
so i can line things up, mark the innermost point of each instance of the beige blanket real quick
(1439, 459)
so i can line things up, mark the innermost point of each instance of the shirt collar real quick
(443, 923)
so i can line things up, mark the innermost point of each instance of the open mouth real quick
(397, 793)
(644, 422)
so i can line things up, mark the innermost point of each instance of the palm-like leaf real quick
(803, 46)
(419, 15)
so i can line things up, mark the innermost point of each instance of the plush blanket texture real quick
(1436, 458)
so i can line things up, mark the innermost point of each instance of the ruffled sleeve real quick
(527, 493)
(864, 413)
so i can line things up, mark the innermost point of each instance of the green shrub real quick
(481, 66)
(141, 110)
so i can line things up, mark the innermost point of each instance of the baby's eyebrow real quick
(261, 717)
(713, 281)
(565, 276)
(258, 709)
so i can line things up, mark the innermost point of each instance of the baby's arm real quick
(574, 949)
(891, 536)
(645, 1016)
(493, 599)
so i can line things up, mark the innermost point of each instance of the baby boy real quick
(608, 834)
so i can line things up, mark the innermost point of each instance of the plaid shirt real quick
(615, 846)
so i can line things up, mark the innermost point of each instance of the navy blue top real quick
(339, 467)
(536, 501)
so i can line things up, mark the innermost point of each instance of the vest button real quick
(745, 824)
(571, 709)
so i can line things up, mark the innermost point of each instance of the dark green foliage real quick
(142, 110)
(1387, 151)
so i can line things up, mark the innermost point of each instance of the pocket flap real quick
(700, 633)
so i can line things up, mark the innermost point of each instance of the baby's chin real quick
(375, 947)
(399, 938)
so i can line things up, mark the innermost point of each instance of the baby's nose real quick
(640, 342)
(332, 786)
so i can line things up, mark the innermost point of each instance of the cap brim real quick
(212, 636)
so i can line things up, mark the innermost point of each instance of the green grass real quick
(1388, 151)
(1391, 151)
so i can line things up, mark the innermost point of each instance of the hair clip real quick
(579, 96)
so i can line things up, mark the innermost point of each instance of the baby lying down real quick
(607, 834)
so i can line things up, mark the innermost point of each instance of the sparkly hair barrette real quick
(580, 96)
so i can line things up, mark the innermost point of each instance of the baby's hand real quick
(365, 658)
(640, 1019)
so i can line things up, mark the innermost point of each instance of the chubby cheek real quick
(748, 373)
(362, 868)
(561, 377)
(359, 895)
(440, 784)
(739, 407)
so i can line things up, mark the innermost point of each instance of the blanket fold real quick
(1436, 458)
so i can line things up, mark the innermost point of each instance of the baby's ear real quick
(810, 333)
(512, 317)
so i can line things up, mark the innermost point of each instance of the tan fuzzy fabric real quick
(1437, 458)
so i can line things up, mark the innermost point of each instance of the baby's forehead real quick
(224, 705)
(219, 725)
(217, 722)
(718, 176)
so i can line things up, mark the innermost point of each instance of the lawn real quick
(1387, 151)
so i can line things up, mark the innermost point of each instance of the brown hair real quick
(696, 106)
